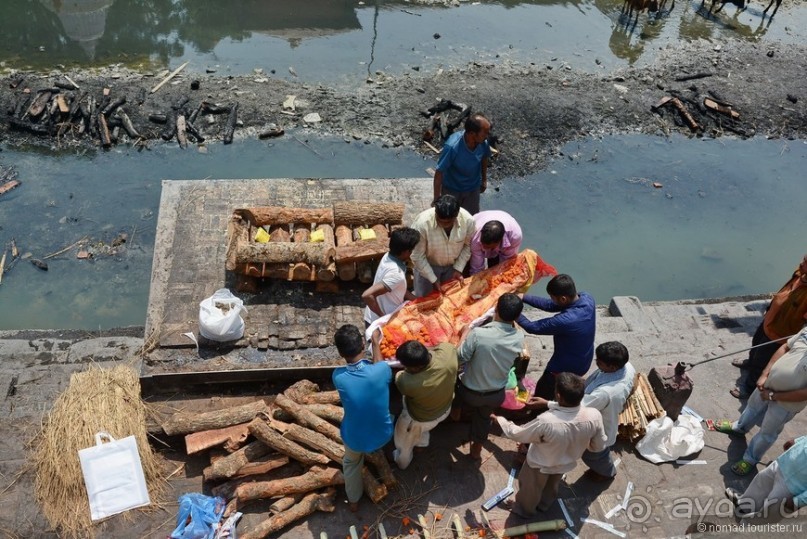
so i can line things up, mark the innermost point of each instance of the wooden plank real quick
(199, 441)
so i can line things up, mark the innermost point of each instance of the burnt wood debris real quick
(67, 112)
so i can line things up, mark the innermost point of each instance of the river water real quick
(345, 40)
(727, 220)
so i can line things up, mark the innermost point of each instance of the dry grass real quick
(96, 400)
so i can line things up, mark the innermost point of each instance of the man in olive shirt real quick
(427, 386)
(488, 353)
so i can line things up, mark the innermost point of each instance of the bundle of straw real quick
(96, 400)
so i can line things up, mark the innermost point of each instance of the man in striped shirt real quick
(444, 249)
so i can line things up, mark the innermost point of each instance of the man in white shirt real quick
(607, 390)
(557, 439)
(389, 290)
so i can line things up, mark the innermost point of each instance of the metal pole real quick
(690, 365)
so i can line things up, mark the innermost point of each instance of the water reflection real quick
(83, 21)
(328, 40)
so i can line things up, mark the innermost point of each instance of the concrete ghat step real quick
(631, 310)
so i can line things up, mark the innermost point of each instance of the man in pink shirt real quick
(497, 238)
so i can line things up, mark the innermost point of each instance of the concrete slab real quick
(630, 309)
(189, 257)
(667, 500)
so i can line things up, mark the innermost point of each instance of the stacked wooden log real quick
(290, 254)
(641, 407)
(290, 451)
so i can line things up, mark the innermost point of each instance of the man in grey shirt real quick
(488, 352)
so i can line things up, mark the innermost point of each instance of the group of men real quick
(446, 242)
(775, 385)
(580, 416)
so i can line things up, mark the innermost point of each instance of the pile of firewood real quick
(641, 407)
(290, 451)
(65, 110)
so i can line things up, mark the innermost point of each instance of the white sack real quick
(666, 441)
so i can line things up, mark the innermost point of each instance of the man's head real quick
(349, 341)
(492, 234)
(446, 210)
(477, 128)
(402, 241)
(561, 289)
(509, 307)
(611, 356)
(569, 389)
(413, 355)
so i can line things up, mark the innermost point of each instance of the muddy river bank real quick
(534, 108)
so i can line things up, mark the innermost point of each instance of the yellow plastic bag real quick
(317, 235)
(367, 234)
(261, 236)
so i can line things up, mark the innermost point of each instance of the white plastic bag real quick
(113, 476)
(665, 441)
(220, 317)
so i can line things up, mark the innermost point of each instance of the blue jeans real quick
(600, 461)
(771, 418)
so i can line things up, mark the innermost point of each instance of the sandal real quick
(726, 427)
(741, 363)
(742, 467)
(738, 393)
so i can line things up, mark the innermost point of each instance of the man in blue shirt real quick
(572, 329)
(784, 481)
(462, 170)
(363, 387)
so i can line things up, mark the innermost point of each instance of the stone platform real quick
(289, 325)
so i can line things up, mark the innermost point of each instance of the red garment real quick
(786, 315)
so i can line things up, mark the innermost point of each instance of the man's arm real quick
(597, 442)
(553, 325)
(438, 184)
(376, 346)
(545, 304)
(467, 345)
(477, 257)
(782, 350)
(419, 259)
(369, 297)
(597, 399)
(484, 184)
(797, 395)
(465, 252)
(529, 433)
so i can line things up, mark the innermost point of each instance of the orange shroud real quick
(436, 318)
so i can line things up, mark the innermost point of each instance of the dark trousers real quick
(758, 358)
(545, 386)
(480, 406)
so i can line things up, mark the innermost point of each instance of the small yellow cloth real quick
(366, 234)
(261, 236)
(317, 235)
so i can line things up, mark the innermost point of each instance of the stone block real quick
(630, 309)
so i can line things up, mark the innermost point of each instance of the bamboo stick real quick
(169, 77)
(2, 265)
